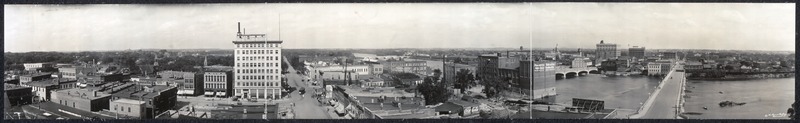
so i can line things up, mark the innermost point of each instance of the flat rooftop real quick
(137, 91)
(129, 101)
(36, 74)
(389, 100)
(558, 115)
(50, 82)
(375, 92)
(12, 87)
(83, 93)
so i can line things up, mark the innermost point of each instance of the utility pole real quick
(444, 73)
(530, 86)
(345, 72)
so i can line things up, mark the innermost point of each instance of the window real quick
(129, 109)
(115, 107)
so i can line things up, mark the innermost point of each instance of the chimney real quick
(94, 93)
(239, 28)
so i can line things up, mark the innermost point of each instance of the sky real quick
(746, 26)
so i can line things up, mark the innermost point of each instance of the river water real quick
(765, 98)
(617, 92)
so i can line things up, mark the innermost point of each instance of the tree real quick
(437, 74)
(433, 92)
(459, 61)
(464, 80)
(493, 88)
(490, 91)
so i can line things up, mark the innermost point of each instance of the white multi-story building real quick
(34, 66)
(257, 66)
(659, 67)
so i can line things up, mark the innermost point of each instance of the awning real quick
(181, 92)
(189, 92)
(209, 93)
(220, 93)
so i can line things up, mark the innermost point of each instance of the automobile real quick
(60, 118)
(47, 114)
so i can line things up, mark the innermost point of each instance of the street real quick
(306, 107)
(665, 103)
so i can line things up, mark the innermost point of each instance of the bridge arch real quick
(571, 74)
(583, 73)
(560, 75)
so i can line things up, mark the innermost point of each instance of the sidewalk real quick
(649, 102)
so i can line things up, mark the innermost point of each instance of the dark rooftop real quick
(140, 91)
(554, 115)
(36, 74)
(406, 76)
(463, 103)
(449, 106)
(83, 93)
(50, 82)
(389, 106)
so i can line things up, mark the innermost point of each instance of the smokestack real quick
(238, 27)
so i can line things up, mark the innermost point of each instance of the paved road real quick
(305, 107)
(665, 103)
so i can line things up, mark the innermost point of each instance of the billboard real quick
(588, 104)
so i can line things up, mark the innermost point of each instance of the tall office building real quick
(670, 55)
(606, 51)
(636, 52)
(257, 66)
(543, 79)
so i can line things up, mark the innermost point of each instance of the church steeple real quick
(155, 60)
(556, 50)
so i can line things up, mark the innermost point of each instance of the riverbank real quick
(743, 77)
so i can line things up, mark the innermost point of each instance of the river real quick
(617, 92)
(765, 98)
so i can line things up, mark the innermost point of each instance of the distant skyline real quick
(744, 26)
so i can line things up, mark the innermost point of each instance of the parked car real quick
(47, 114)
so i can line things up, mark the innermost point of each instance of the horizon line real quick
(377, 49)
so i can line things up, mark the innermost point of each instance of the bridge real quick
(566, 71)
